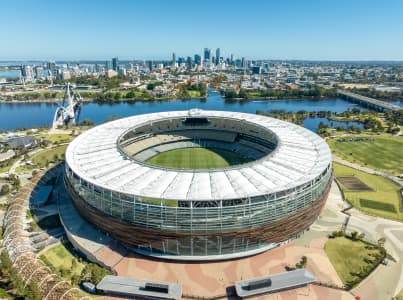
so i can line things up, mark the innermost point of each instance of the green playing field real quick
(197, 158)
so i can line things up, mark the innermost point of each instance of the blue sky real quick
(286, 29)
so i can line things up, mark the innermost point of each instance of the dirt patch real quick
(353, 183)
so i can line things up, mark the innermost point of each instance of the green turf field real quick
(384, 199)
(197, 158)
(383, 153)
(350, 258)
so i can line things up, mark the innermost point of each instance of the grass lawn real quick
(48, 155)
(22, 169)
(57, 138)
(197, 158)
(348, 258)
(6, 165)
(383, 201)
(384, 153)
(60, 258)
(194, 94)
(400, 295)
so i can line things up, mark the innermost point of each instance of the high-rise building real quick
(197, 59)
(217, 56)
(26, 72)
(39, 74)
(257, 70)
(207, 54)
(115, 63)
(108, 65)
(150, 65)
(232, 59)
(173, 60)
(51, 66)
(189, 62)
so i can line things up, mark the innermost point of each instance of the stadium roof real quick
(276, 282)
(299, 157)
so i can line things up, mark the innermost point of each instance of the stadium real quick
(199, 185)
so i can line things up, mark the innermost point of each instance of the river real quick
(18, 115)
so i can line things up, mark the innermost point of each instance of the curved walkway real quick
(21, 250)
(385, 281)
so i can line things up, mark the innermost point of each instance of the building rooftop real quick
(127, 286)
(274, 283)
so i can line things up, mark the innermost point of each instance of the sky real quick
(153, 29)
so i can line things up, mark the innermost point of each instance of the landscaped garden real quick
(372, 194)
(353, 258)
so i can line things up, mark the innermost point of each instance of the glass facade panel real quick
(211, 230)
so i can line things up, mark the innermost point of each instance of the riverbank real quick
(168, 98)
(280, 98)
(93, 100)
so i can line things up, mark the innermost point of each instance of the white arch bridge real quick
(67, 112)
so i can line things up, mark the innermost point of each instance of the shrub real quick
(5, 189)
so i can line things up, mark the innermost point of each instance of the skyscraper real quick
(39, 74)
(115, 63)
(26, 72)
(217, 56)
(189, 62)
(232, 59)
(197, 59)
(207, 54)
(173, 60)
(51, 65)
(108, 65)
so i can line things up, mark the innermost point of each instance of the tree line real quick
(313, 92)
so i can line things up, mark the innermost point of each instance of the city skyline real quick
(318, 30)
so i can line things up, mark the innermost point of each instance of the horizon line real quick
(169, 59)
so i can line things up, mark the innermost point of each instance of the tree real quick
(354, 236)
(14, 180)
(73, 264)
(32, 292)
(75, 280)
(355, 110)
(243, 94)
(5, 189)
(87, 122)
(230, 94)
(93, 273)
(130, 95)
(302, 263)
(117, 96)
